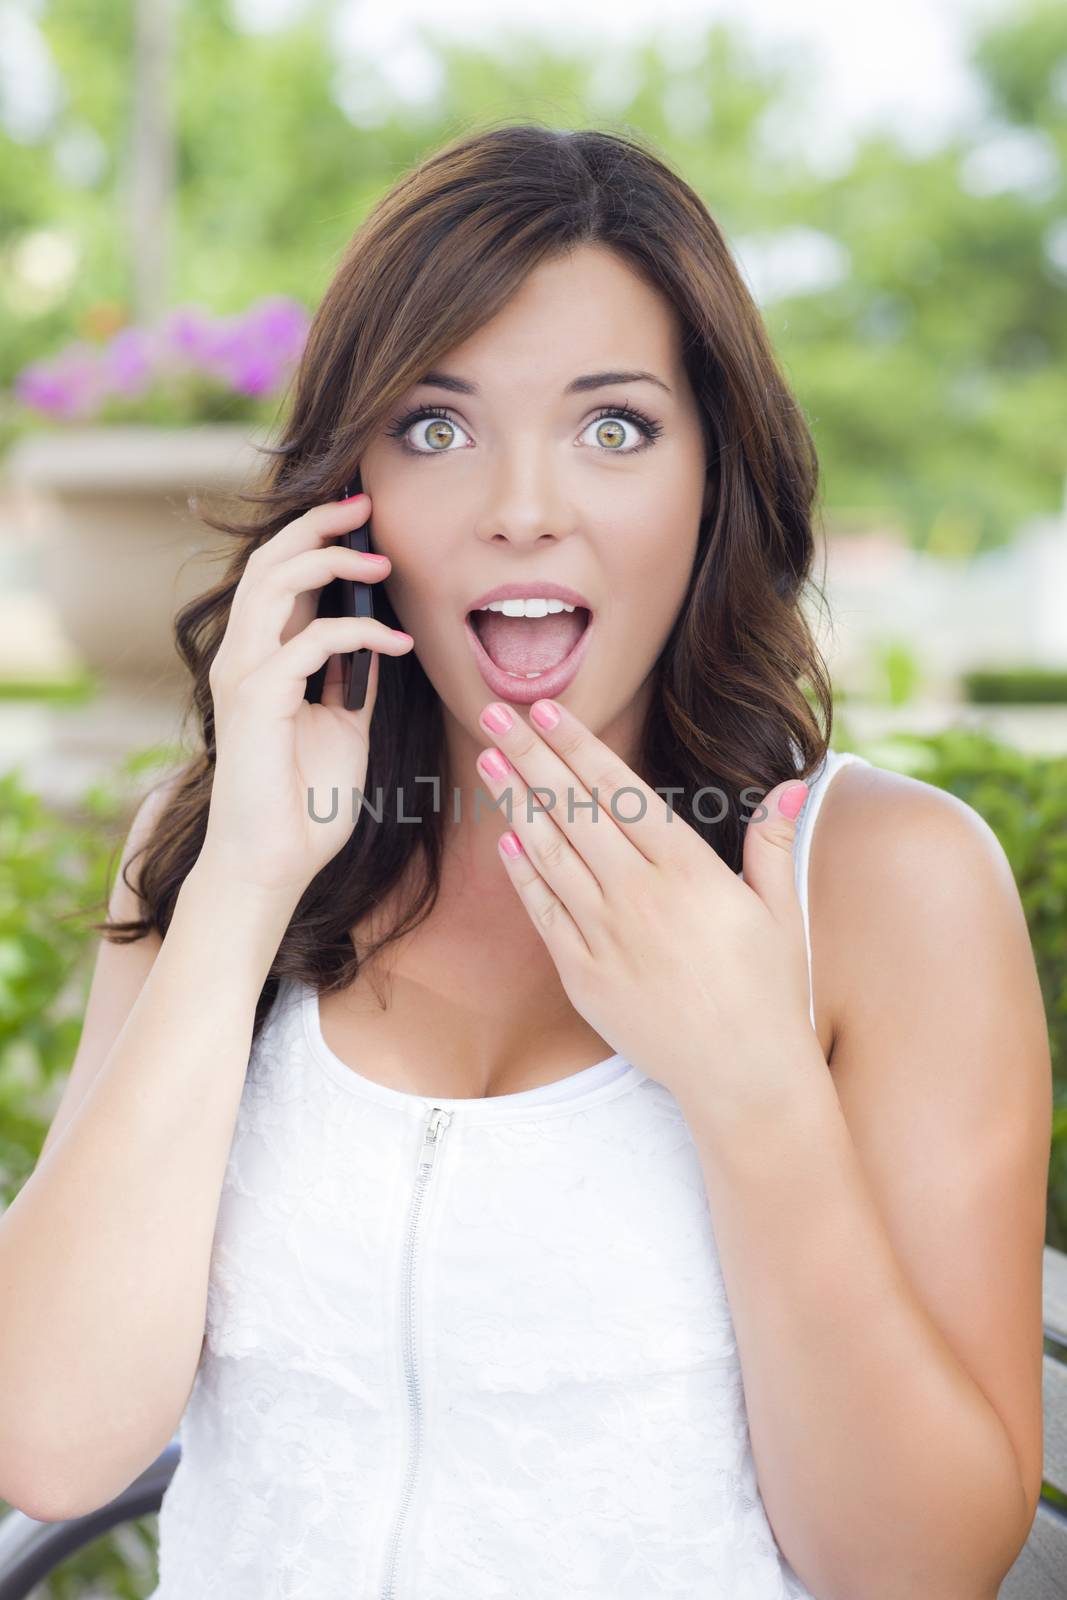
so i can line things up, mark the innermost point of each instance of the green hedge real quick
(51, 869)
(1015, 686)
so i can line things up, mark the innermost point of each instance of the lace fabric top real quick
(466, 1348)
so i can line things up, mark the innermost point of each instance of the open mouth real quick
(529, 647)
(523, 659)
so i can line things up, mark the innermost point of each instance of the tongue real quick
(529, 644)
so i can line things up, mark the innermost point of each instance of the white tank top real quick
(466, 1348)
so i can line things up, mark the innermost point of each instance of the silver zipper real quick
(436, 1123)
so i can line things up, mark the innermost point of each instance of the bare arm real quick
(104, 1253)
(881, 1231)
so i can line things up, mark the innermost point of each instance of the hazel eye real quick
(442, 432)
(610, 430)
(611, 433)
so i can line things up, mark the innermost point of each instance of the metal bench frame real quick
(30, 1550)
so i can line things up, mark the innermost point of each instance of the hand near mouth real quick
(697, 976)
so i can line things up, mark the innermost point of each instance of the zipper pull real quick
(436, 1123)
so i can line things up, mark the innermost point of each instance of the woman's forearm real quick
(104, 1252)
(885, 1472)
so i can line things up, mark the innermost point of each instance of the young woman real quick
(618, 1200)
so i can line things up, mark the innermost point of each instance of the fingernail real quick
(544, 713)
(791, 801)
(496, 718)
(372, 555)
(350, 497)
(494, 764)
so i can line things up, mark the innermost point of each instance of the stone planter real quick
(120, 552)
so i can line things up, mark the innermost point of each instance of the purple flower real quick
(68, 386)
(185, 332)
(251, 354)
(127, 362)
(256, 373)
(282, 324)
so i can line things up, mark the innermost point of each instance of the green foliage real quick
(46, 869)
(52, 873)
(899, 672)
(55, 874)
(1014, 686)
(80, 688)
(930, 372)
(120, 1565)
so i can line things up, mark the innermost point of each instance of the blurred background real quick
(178, 179)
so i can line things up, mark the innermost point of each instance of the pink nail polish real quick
(496, 718)
(544, 713)
(510, 845)
(791, 801)
(493, 763)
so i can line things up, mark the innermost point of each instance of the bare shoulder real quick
(881, 816)
(894, 861)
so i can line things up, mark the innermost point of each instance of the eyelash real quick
(647, 426)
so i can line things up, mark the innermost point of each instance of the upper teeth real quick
(527, 608)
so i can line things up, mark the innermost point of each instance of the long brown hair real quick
(740, 678)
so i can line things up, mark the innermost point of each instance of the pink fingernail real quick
(496, 718)
(791, 801)
(544, 713)
(494, 764)
(510, 845)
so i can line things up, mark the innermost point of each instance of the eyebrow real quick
(589, 380)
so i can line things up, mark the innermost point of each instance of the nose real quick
(524, 506)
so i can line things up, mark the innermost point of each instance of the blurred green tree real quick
(929, 366)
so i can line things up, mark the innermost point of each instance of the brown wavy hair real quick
(739, 682)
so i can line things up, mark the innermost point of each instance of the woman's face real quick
(521, 478)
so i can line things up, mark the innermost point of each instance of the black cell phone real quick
(344, 597)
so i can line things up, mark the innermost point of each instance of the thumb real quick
(767, 853)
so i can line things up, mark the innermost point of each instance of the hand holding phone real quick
(274, 751)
